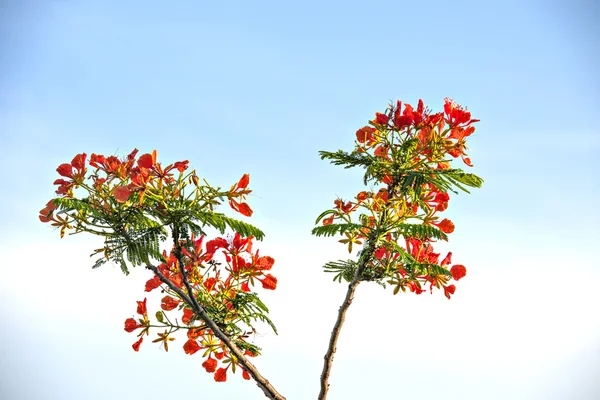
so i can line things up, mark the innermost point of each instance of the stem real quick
(364, 259)
(337, 328)
(261, 381)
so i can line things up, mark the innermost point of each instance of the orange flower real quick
(445, 226)
(122, 193)
(243, 183)
(147, 160)
(131, 325)
(187, 316)
(221, 375)
(448, 290)
(141, 308)
(362, 196)
(328, 221)
(265, 262)
(365, 134)
(210, 365)
(458, 271)
(153, 283)
(46, 212)
(191, 346)
(245, 209)
(65, 170)
(269, 282)
(168, 303)
(246, 375)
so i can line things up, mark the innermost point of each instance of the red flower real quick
(243, 183)
(122, 193)
(131, 325)
(141, 308)
(246, 375)
(245, 209)
(328, 221)
(448, 290)
(381, 151)
(217, 243)
(210, 365)
(147, 160)
(269, 282)
(381, 119)
(187, 316)
(168, 303)
(265, 263)
(458, 271)
(221, 375)
(209, 284)
(136, 345)
(181, 165)
(362, 196)
(65, 170)
(78, 162)
(445, 225)
(365, 134)
(46, 212)
(191, 346)
(153, 283)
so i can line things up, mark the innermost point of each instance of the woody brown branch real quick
(363, 261)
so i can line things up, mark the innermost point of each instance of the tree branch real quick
(337, 328)
(260, 380)
(364, 259)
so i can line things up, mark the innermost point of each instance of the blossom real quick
(147, 160)
(265, 262)
(269, 282)
(191, 346)
(141, 308)
(65, 170)
(445, 225)
(131, 325)
(458, 271)
(187, 316)
(46, 212)
(365, 135)
(136, 345)
(153, 283)
(448, 290)
(168, 303)
(122, 193)
(381, 119)
(221, 375)
(210, 365)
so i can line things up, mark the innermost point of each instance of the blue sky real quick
(261, 87)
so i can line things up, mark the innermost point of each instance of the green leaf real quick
(332, 229)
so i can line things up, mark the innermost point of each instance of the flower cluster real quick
(134, 203)
(224, 291)
(141, 183)
(410, 152)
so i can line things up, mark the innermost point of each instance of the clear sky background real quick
(260, 87)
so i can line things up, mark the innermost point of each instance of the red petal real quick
(136, 345)
(122, 193)
(243, 183)
(221, 375)
(245, 209)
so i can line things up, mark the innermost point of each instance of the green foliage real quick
(333, 229)
(342, 269)
(419, 231)
(251, 308)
